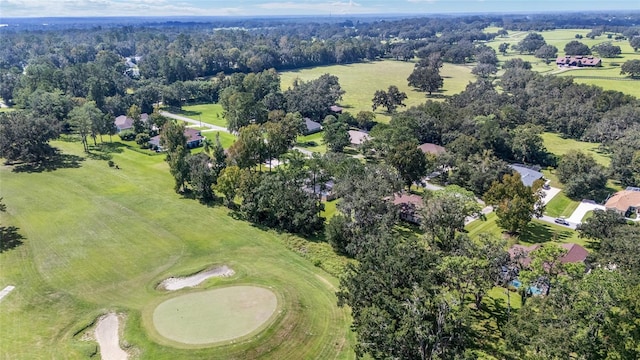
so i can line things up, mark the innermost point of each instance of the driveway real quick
(549, 194)
(582, 209)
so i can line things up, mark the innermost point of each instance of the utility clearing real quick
(174, 283)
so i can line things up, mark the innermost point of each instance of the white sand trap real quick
(173, 283)
(6, 291)
(109, 339)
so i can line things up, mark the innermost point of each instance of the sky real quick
(71, 8)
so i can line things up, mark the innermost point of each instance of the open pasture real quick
(99, 239)
(360, 82)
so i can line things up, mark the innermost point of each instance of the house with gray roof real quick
(528, 175)
(311, 127)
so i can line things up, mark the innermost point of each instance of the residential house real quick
(429, 148)
(336, 109)
(324, 190)
(578, 61)
(194, 139)
(575, 253)
(357, 137)
(409, 206)
(528, 175)
(625, 202)
(124, 122)
(311, 127)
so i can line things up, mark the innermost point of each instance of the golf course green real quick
(217, 315)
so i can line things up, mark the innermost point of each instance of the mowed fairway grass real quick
(360, 81)
(97, 239)
(560, 146)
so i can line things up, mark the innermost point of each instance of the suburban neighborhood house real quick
(575, 253)
(311, 127)
(123, 122)
(194, 139)
(357, 137)
(527, 175)
(579, 61)
(625, 202)
(409, 206)
(429, 148)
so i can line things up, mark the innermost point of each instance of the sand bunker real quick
(108, 338)
(173, 283)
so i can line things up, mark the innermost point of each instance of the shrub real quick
(111, 163)
(127, 135)
(142, 139)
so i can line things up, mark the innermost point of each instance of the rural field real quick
(360, 82)
(608, 76)
(98, 239)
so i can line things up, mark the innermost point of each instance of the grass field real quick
(559, 146)
(608, 76)
(313, 142)
(537, 232)
(360, 81)
(97, 239)
(216, 315)
(209, 113)
(561, 205)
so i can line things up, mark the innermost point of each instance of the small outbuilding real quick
(409, 206)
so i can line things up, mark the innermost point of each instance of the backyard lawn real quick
(560, 146)
(209, 113)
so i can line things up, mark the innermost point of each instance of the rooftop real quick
(358, 137)
(623, 200)
(432, 148)
(528, 175)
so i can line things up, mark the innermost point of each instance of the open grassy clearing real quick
(313, 142)
(209, 113)
(561, 205)
(99, 239)
(608, 76)
(537, 232)
(560, 146)
(360, 81)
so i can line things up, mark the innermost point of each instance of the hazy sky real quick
(44, 8)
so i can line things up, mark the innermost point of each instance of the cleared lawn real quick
(209, 113)
(537, 232)
(97, 239)
(560, 146)
(217, 315)
(226, 139)
(313, 142)
(360, 81)
(561, 205)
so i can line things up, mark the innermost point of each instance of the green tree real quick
(134, 114)
(249, 149)
(575, 47)
(426, 79)
(581, 174)
(365, 120)
(607, 50)
(85, 121)
(201, 176)
(503, 48)
(173, 140)
(336, 134)
(409, 161)
(391, 99)
(228, 183)
(531, 43)
(635, 42)
(527, 144)
(26, 138)
(547, 52)
(631, 67)
(515, 203)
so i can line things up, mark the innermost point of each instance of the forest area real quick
(421, 290)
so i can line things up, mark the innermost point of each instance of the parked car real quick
(561, 221)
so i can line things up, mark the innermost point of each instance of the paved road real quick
(552, 220)
(193, 121)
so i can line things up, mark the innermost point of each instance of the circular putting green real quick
(215, 315)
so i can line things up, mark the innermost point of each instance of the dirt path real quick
(108, 338)
(173, 283)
